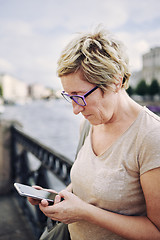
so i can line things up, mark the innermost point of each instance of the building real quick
(151, 65)
(150, 69)
(13, 89)
(38, 91)
(16, 91)
(135, 78)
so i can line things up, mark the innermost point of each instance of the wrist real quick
(84, 211)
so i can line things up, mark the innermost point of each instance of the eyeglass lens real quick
(79, 100)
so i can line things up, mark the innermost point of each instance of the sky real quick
(34, 32)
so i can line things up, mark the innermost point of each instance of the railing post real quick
(5, 161)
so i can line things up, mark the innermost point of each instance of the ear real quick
(119, 83)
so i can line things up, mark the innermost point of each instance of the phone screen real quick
(29, 191)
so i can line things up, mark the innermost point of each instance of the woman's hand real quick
(70, 210)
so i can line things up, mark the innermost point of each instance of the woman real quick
(114, 191)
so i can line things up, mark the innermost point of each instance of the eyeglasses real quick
(80, 100)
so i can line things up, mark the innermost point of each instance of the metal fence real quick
(35, 164)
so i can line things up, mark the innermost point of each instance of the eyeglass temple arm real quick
(88, 93)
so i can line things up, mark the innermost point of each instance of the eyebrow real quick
(78, 92)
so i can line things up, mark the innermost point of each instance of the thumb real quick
(57, 199)
(64, 194)
(44, 203)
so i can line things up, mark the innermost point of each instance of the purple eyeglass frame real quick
(72, 97)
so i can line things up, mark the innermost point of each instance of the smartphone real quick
(28, 191)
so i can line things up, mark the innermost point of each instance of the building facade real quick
(151, 65)
(17, 91)
(14, 90)
(38, 91)
(150, 69)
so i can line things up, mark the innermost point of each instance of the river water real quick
(51, 122)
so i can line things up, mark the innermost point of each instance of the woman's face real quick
(100, 106)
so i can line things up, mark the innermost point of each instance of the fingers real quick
(37, 187)
(57, 199)
(65, 194)
(49, 190)
(44, 203)
(63, 211)
(33, 201)
(45, 189)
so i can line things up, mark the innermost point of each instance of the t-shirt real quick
(111, 180)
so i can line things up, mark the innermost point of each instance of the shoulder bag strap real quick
(84, 134)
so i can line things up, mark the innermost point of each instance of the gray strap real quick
(84, 134)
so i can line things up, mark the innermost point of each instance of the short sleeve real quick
(149, 155)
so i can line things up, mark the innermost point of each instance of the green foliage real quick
(1, 91)
(154, 88)
(130, 91)
(142, 88)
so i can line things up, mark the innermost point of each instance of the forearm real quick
(128, 227)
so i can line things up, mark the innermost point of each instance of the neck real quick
(125, 112)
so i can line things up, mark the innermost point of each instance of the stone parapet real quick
(6, 183)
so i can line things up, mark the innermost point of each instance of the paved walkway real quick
(13, 225)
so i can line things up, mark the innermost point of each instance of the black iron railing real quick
(35, 164)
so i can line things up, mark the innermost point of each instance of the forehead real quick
(75, 82)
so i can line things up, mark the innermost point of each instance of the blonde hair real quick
(101, 59)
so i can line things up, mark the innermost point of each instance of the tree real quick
(154, 88)
(1, 91)
(130, 91)
(142, 88)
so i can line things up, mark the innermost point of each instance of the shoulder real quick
(148, 141)
(149, 124)
(150, 119)
(149, 127)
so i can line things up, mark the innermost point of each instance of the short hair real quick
(99, 56)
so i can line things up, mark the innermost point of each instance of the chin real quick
(94, 122)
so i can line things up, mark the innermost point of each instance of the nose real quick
(77, 108)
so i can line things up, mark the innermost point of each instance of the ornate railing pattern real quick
(23, 147)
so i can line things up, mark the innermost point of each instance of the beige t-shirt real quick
(112, 180)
